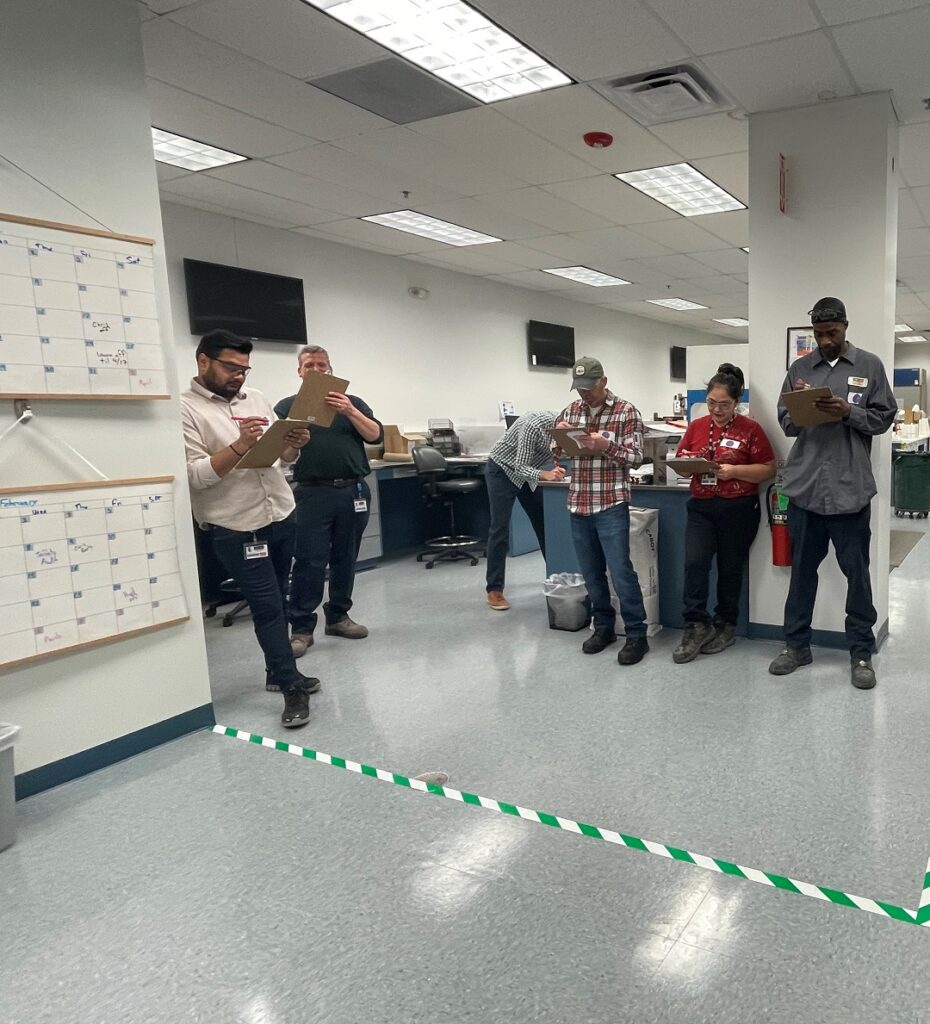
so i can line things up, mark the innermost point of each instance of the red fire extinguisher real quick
(777, 507)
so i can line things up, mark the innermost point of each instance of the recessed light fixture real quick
(452, 41)
(676, 304)
(190, 154)
(732, 321)
(902, 327)
(910, 339)
(584, 275)
(429, 227)
(683, 189)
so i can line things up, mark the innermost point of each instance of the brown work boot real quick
(300, 642)
(347, 628)
(497, 601)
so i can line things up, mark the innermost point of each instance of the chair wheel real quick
(429, 565)
(209, 613)
(474, 561)
(419, 558)
(227, 621)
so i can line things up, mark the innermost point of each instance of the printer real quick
(441, 435)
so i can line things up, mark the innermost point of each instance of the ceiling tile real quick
(711, 135)
(619, 242)
(732, 227)
(197, 118)
(165, 6)
(614, 201)
(709, 28)
(285, 34)
(909, 215)
(914, 242)
(914, 153)
(525, 257)
(675, 266)
(534, 279)
(567, 249)
(722, 284)
(166, 172)
(921, 196)
(189, 61)
(353, 231)
(726, 261)
(226, 211)
(787, 73)
(679, 235)
(144, 13)
(544, 208)
(614, 37)
(472, 259)
(356, 243)
(223, 193)
(838, 12)
(729, 172)
(504, 145)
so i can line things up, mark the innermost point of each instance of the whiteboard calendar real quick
(82, 564)
(77, 314)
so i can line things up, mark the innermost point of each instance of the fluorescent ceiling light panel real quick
(429, 227)
(910, 339)
(676, 304)
(452, 41)
(683, 189)
(732, 321)
(584, 275)
(902, 327)
(190, 154)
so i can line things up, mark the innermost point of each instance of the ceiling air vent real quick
(671, 94)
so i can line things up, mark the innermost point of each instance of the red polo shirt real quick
(742, 442)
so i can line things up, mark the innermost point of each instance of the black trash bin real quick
(912, 484)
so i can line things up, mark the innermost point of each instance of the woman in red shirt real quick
(723, 512)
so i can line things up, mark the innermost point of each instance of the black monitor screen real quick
(678, 362)
(247, 302)
(550, 344)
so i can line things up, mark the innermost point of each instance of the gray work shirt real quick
(829, 469)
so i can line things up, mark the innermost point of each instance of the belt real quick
(342, 481)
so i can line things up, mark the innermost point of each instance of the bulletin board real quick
(86, 564)
(77, 313)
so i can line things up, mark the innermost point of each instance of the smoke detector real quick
(669, 94)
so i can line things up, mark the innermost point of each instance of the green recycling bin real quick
(912, 484)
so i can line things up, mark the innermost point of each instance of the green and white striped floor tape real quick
(921, 916)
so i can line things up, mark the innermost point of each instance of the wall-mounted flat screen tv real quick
(678, 362)
(550, 344)
(250, 303)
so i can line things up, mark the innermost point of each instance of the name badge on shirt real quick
(708, 480)
(729, 442)
(858, 382)
(361, 505)
(259, 549)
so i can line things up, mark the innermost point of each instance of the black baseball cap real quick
(827, 310)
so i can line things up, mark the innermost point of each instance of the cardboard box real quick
(398, 446)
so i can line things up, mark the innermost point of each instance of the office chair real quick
(431, 469)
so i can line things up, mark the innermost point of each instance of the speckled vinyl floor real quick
(212, 880)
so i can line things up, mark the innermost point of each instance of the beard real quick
(225, 389)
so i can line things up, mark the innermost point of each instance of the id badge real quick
(361, 505)
(708, 480)
(258, 549)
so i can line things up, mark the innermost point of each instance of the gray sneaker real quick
(347, 628)
(724, 637)
(695, 635)
(862, 675)
(790, 659)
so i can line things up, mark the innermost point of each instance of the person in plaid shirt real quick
(514, 471)
(599, 507)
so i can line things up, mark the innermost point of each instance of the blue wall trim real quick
(73, 767)
(821, 637)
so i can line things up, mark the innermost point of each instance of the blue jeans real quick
(263, 582)
(602, 542)
(501, 494)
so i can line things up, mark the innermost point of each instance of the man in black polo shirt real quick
(332, 510)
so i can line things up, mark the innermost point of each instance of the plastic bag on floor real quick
(567, 601)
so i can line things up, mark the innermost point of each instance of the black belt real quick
(342, 481)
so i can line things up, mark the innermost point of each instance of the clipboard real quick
(268, 448)
(564, 437)
(309, 403)
(688, 467)
(801, 408)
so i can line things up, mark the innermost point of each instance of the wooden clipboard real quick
(803, 411)
(268, 448)
(564, 437)
(310, 401)
(688, 467)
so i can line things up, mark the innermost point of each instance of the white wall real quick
(456, 354)
(75, 116)
(704, 360)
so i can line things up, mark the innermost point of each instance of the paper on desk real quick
(566, 439)
(268, 448)
(803, 411)
(310, 402)
(688, 467)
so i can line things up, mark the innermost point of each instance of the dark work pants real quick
(811, 535)
(725, 527)
(329, 532)
(263, 582)
(501, 494)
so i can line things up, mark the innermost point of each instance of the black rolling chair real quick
(431, 469)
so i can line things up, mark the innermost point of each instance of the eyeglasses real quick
(722, 406)
(234, 368)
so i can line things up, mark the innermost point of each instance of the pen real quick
(242, 419)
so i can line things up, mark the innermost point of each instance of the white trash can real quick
(7, 785)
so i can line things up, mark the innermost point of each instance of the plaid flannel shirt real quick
(603, 481)
(524, 448)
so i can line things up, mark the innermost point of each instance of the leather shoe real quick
(309, 684)
(497, 601)
(598, 640)
(790, 659)
(862, 675)
(346, 628)
(300, 642)
(633, 650)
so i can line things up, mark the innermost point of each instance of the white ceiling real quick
(232, 72)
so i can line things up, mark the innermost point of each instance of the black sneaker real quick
(696, 634)
(790, 659)
(633, 650)
(862, 675)
(598, 640)
(296, 707)
(309, 683)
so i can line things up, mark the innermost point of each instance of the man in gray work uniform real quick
(829, 481)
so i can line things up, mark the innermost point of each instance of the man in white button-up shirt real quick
(249, 512)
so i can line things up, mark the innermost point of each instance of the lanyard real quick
(713, 445)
